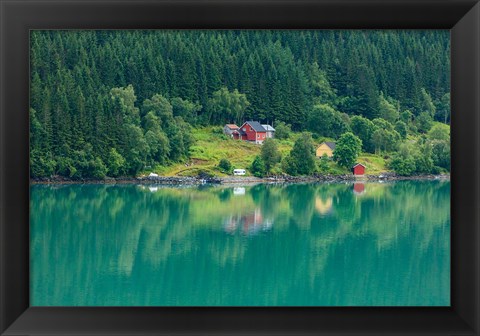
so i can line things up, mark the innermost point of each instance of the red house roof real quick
(232, 126)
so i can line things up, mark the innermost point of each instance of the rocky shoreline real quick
(177, 180)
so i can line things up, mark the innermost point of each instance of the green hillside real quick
(211, 145)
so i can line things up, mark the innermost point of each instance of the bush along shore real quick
(198, 180)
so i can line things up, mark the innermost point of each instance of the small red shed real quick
(358, 169)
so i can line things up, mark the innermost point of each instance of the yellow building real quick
(325, 148)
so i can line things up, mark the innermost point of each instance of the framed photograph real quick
(231, 167)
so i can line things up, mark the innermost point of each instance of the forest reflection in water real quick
(372, 244)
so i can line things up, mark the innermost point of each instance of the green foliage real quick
(423, 159)
(403, 165)
(385, 138)
(159, 106)
(442, 112)
(185, 109)
(36, 130)
(168, 136)
(83, 164)
(157, 141)
(257, 167)
(383, 124)
(270, 154)
(135, 148)
(326, 121)
(282, 130)
(225, 166)
(323, 164)
(439, 132)
(159, 146)
(125, 99)
(301, 160)
(364, 129)
(347, 149)
(406, 116)
(401, 128)
(66, 167)
(361, 94)
(441, 154)
(320, 86)
(426, 103)
(439, 138)
(41, 165)
(181, 139)
(115, 163)
(387, 110)
(403, 161)
(226, 106)
(424, 122)
(413, 158)
(97, 169)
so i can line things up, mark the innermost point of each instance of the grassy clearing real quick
(375, 164)
(211, 145)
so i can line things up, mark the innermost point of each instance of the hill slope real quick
(212, 145)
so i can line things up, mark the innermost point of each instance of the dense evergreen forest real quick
(111, 103)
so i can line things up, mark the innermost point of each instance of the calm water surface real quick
(367, 244)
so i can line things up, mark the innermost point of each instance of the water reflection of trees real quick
(188, 246)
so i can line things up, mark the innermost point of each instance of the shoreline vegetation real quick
(271, 162)
(199, 180)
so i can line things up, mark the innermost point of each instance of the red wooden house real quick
(253, 131)
(358, 169)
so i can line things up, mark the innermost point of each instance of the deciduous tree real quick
(347, 149)
(270, 154)
(301, 160)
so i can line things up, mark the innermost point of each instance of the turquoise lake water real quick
(372, 244)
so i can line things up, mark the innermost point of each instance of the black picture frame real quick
(17, 17)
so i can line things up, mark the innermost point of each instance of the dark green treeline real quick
(112, 102)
